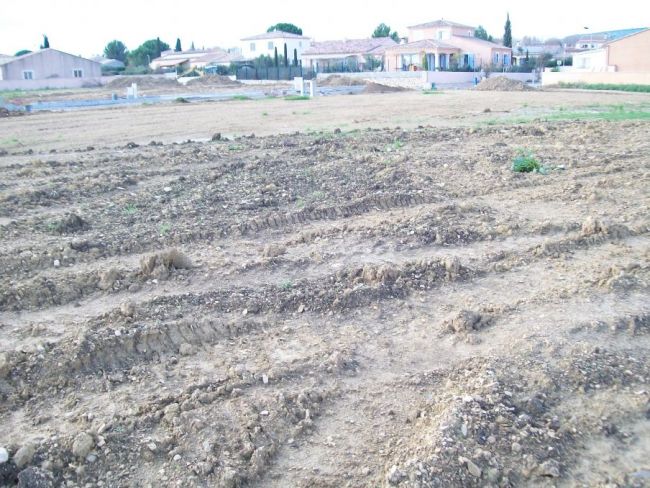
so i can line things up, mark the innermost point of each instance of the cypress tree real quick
(507, 34)
(178, 47)
(275, 57)
(286, 56)
(295, 57)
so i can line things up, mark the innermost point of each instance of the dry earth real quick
(382, 307)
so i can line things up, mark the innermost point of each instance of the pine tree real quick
(507, 33)
(178, 47)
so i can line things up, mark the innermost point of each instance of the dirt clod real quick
(82, 445)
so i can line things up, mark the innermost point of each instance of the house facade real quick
(626, 54)
(196, 58)
(346, 55)
(445, 45)
(48, 64)
(265, 45)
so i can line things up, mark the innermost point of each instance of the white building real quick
(265, 44)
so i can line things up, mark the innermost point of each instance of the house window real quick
(28, 75)
(270, 46)
(496, 58)
(470, 33)
(252, 46)
(505, 60)
(78, 73)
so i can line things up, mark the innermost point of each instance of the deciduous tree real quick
(148, 50)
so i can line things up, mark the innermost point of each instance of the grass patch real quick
(296, 97)
(182, 100)
(607, 86)
(611, 113)
(241, 97)
(396, 145)
(265, 114)
(526, 162)
(10, 142)
(431, 92)
(165, 228)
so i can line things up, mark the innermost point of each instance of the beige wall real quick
(48, 64)
(591, 60)
(432, 33)
(631, 54)
(553, 78)
(482, 52)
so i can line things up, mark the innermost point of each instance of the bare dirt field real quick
(385, 304)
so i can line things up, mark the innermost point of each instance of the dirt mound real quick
(338, 80)
(378, 88)
(501, 83)
(213, 80)
(142, 82)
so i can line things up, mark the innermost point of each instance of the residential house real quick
(47, 64)
(346, 55)
(267, 43)
(176, 60)
(535, 51)
(588, 41)
(625, 54)
(217, 57)
(443, 45)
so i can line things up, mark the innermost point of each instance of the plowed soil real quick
(380, 307)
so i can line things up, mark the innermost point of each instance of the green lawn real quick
(607, 86)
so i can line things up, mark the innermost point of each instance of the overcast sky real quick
(85, 26)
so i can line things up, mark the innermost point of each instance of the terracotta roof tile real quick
(373, 45)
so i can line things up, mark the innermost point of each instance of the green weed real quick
(165, 228)
(525, 162)
(297, 97)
